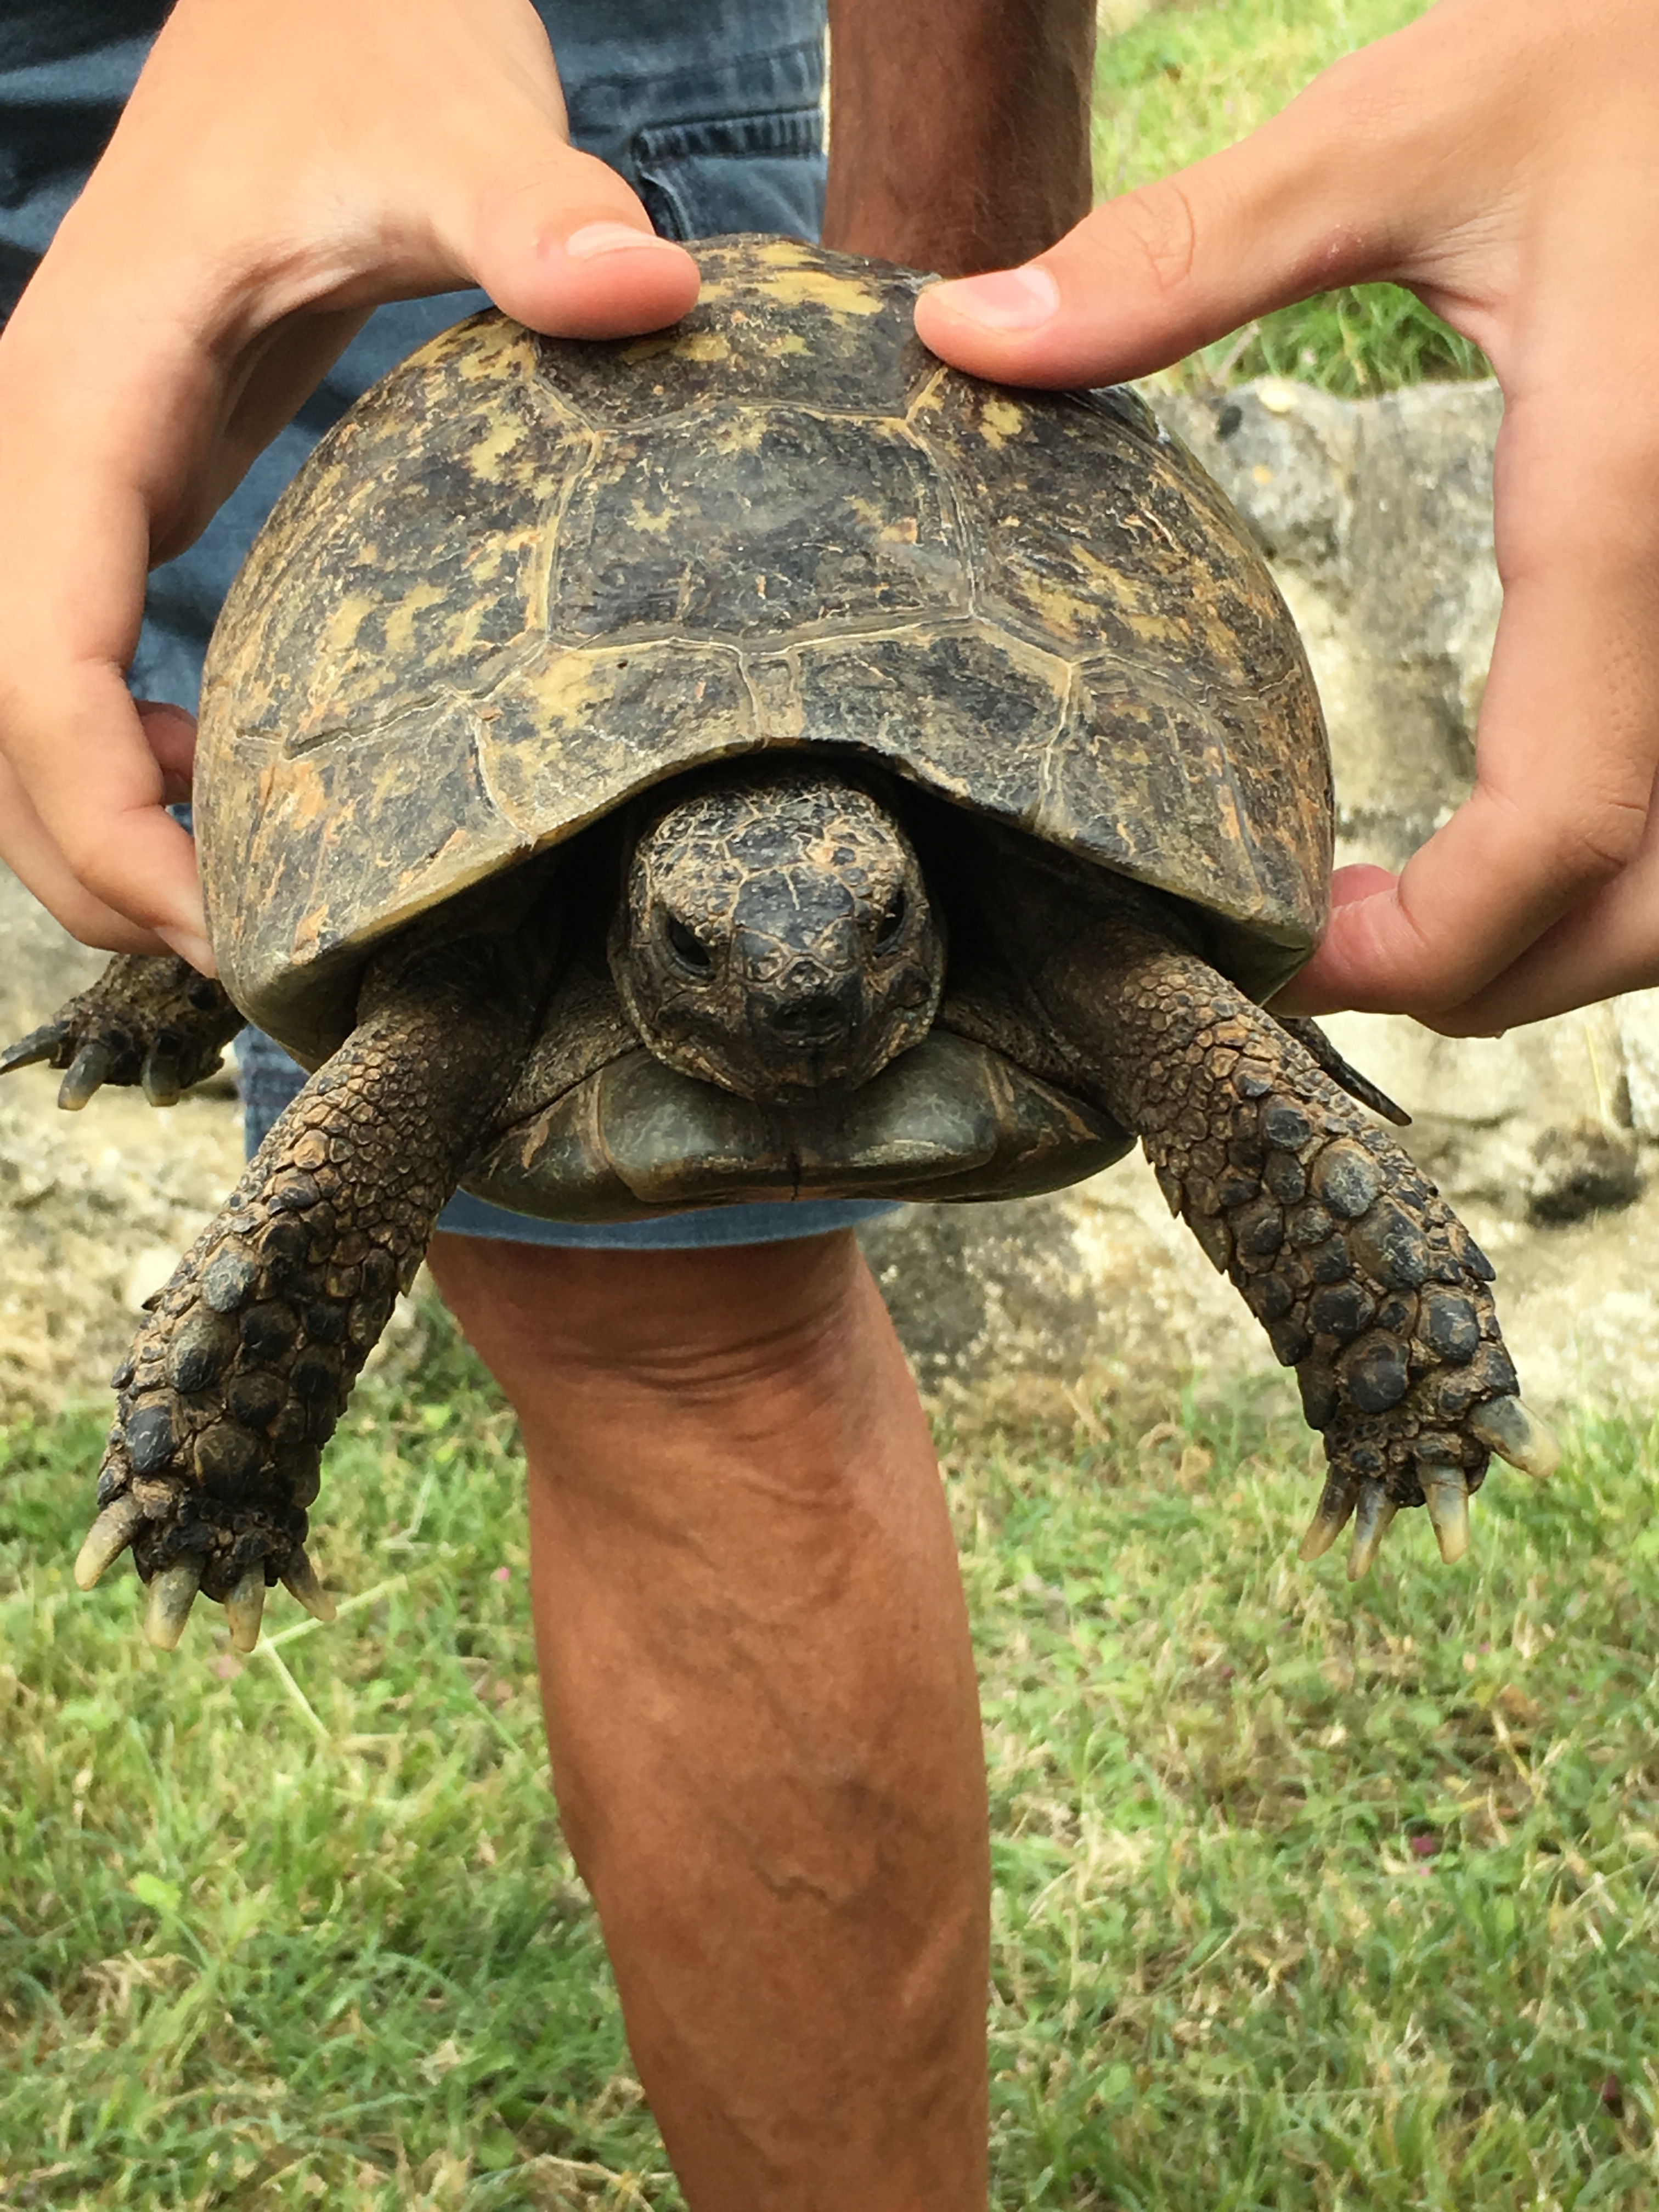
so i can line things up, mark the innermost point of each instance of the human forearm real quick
(959, 129)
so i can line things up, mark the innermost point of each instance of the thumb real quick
(559, 241)
(1325, 984)
(1310, 200)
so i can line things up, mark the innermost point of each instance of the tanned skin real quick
(958, 128)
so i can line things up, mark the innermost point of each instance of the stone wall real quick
(1376, 518)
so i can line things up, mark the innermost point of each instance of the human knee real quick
(720, 1323)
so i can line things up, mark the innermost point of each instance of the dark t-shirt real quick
(36, 31)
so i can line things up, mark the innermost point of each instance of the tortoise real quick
(747, 761)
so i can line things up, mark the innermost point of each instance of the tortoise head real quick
(775, 935)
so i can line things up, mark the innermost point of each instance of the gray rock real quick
(1377, 517)
(42, 964)
(1581, 1172)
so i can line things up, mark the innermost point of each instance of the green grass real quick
(1183, 82)
(1306, 1897)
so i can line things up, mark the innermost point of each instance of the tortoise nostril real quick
(814, 1018)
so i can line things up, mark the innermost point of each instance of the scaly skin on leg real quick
(761, 1704)
(1365, 1280)
(235, 1381)
(149, 1018)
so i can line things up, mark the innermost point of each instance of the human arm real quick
(1500, 158)
(277, 173)
(958, 128)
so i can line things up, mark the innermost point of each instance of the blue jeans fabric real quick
(709, 108)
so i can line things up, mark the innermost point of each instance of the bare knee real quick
(773, 1366)
(711, 1323)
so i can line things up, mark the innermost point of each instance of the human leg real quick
(761, 1706)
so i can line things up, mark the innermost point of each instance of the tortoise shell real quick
(525, 578)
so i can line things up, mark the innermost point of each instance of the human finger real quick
(34, 858)
(192, 298)
(1607, 944)
(170, 733)
(72, 566)
(1568, 744)
(1309, 200)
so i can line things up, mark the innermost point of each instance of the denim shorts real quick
(711, 109)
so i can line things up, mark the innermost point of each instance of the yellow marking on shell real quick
(685, 345)
(789, 278)
(658, 522)
(489, 458)
(463, 634)
(742, 432)
(568, 686)
(930, 400)
(999, 420)
(787, 342)
(1137, 600)
(509, 552)
(887, 529)
(486, 559)
(400, 617)
(816, 287)
(346, 619)
(703, 345)
(488, 352)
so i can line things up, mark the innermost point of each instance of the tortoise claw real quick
(172, 1594)
(28, 1052)
(244, 1608)
(1446, 1495)
(107, 1537)
(162, 1078)
(85, 1077)
(1504, 1426)
(1336, 1503)
(300, 1581)
(1318, 1048)
(1370, 1524)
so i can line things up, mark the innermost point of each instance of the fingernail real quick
(190, 946)
(1007, 300)
(597, 238)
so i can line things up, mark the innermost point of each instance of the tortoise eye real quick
(893, 920)
(688, 949)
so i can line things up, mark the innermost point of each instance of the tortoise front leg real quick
(149, 1018)
(1363, 1277)
(237, 1377)
(1365, 1280)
